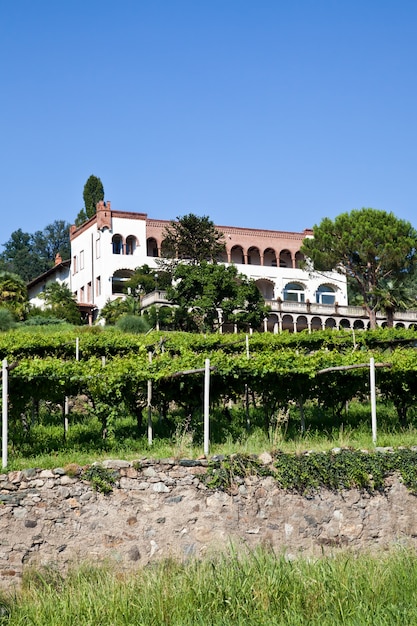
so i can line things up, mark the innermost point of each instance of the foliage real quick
(61, 302)
(29, 255)
(308, 472)
(194, 239)
(209, 295)
(145, 279)
(132, 324)
(40, 317)
(13, 294)
(367, 245)
(93, 193)
(164, 317)
(238, 587)
(53, 240)
(113, 310)
(290, 375)
(100, 477)
(19, 257)
(7, 320)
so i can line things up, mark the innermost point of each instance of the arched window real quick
(270, 258)
(117, 243)
(152, 247)
(266, 287)
(254, 257)
(299, 259)
(285, 259)
(325, 294)
(294, 292)
(236, 255)
(131, 244)
(119, 279)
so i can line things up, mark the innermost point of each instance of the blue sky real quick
(266, 114)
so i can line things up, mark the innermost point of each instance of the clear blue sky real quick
(261, 113)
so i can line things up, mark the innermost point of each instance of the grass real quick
(44, 444)
(241, 589)
(257, 588)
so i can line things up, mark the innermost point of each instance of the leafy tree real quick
(92, 194)
(13, 294)
(162, 317)
(29, 255)
(61, 302)
(52, 240)
(114, 309)
(194, 239)
(209, 295)
(367, 245)
(146, 279)
(19, 256)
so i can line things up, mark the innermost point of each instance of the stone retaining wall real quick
(162, 509)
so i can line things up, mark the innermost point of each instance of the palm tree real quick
(61, 302)
(13, 294)
(396, 295)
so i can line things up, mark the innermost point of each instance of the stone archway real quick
(316, 323)
(266, 287)
(288, 323)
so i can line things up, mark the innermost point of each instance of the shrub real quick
(132, 324)
(7, 320)
(42, 320)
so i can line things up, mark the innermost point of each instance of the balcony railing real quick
(300, 308)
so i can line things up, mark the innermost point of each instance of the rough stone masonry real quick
(164, 509)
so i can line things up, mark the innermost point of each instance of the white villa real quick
(107, 249)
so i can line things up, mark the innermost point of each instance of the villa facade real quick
(107, 249)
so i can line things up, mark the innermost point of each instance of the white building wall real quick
(61, 276)
(281, 276)
(94, 264)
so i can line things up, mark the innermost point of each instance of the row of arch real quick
(236, 254)
(120, 245)
(277, 323)
(239, 255)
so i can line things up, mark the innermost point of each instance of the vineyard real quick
(256, 381)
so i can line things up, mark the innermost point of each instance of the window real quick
(89, 292)
(98, 286)
(82, 260)
(117, 243)
(82, 294)
(97, 248)
(130, 244)
(325, 294)
(294, 292)
(74, 264)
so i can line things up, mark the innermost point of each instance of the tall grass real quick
(44, 444)
(256, 588)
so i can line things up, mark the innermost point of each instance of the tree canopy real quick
(209, 295)
(29, 255)
(13, 294)
(146, 279)
(92, 194)
(194, 239)
(368, 246)
(61, 302)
